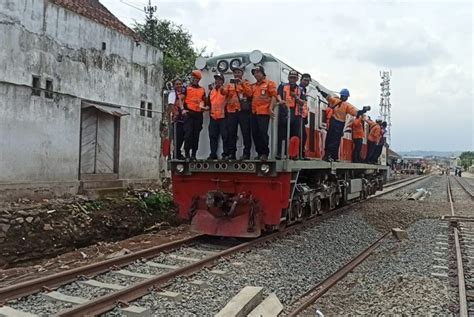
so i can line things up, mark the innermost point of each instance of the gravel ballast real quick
(396, 279)
(287, 267)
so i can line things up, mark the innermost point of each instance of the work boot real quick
(245, 157)
(263, 157)
(257, 157)
(277, 157)
(212, 157)
(230, 157)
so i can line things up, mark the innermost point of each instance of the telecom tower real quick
(385, 105)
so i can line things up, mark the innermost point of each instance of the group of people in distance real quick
(240, 104)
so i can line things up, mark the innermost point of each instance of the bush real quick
(161, 202)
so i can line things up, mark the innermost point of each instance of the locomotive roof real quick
(244, 55)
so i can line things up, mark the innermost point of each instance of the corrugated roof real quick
(94, 10)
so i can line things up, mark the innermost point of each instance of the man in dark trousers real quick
(194, 104)
(239, 112)
(175, 104)
(263, 92)
(217, 120)
(340, 108)
(291, 95)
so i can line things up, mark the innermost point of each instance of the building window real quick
(49, 89)
(150, 107)
(104, 46)
(142, 108)
(36, 86)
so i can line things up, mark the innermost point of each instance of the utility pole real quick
(385, 105)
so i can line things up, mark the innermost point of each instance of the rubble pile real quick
(31, 230)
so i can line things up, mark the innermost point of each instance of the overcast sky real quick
(428, 45)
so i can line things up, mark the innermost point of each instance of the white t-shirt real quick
(172, 97)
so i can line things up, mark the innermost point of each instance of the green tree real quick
(173, 40)
(467, 159)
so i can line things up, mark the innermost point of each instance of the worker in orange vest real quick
(239, 112)
(304, 83)
(373, 139)
(381, 143)
(291, 95)
(194, 104)
(263, 92)
(217, 121)
(357, 138)
(340, 108)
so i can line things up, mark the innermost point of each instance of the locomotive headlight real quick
(180, 168)
(222, 66)
(235, 63)
(265, 168)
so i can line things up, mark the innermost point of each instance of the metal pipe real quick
(274, 132)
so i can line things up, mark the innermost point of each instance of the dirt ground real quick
(31, 231)
(90, 254)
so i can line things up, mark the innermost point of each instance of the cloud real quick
(398, 43)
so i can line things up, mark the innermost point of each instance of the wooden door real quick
(98, 142)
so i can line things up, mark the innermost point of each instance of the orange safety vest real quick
(374, 135)
(262, 94)
(194, 98)
(341, 108)
(218, 102)
(289, 100)
(329, 112)
(357, 129)
(234, 92)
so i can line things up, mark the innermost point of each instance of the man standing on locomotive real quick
(175, 104)
(238, 93)
(194, 103)
(357, 138)
(263, 92)
(291, 94)
(304, 83)
(340, 108)
(373, 139)
(381, 143)
(217, 120)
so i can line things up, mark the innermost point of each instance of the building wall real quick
(39, 137)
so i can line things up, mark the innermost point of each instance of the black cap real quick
(259, 68)
(220, 76)
(306, 75)
(293, 73)
(240, 68)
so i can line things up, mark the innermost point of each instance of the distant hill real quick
(430, 153)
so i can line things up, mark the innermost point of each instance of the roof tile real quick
(94, 10)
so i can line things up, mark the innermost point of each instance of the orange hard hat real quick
(197, 74)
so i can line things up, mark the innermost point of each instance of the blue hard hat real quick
(344, 92)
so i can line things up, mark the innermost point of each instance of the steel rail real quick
(61, 278)
(463, 311)
(464, 187)
(106, 303)
(321, 288)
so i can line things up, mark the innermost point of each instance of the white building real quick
(72, 81)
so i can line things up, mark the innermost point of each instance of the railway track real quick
(463, 249)
(169, 261)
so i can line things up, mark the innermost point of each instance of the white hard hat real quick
(379, 119)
